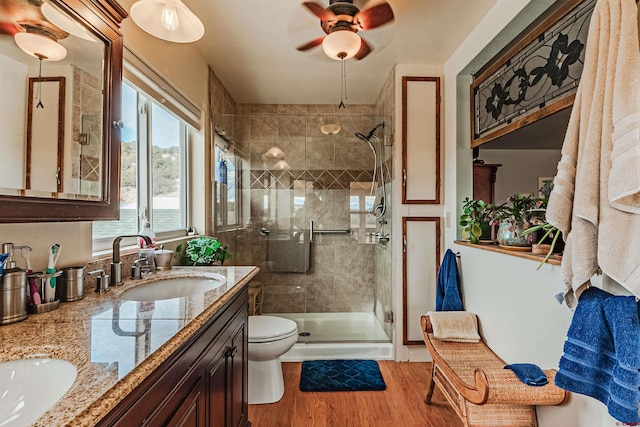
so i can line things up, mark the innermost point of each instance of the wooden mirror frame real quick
(104, 17)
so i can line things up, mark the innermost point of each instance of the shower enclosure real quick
(313, 214)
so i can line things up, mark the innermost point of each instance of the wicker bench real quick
(473, 380)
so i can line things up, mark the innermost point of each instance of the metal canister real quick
(13, 296)
(70, 286)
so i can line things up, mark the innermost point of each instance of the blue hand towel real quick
(448, 296)
(529, 373)
(621, 314)
(601, 357)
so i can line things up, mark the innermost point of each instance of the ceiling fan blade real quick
(319, 11)
(9, 28)
(364, 50)
(311, 44)
(375, 16)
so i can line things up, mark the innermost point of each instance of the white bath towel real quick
(456, 326)
(595, 201)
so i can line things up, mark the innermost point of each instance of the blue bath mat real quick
(341, 375)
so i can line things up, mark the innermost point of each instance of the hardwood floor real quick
(401, 404)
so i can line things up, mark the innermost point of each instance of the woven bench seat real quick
(473, 380)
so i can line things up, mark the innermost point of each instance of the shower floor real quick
(338, 336)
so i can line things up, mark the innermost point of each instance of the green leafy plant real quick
(475, 219)
(519, 207)
(204, 250)
(550, 231)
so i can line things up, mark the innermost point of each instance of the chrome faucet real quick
(116, 264)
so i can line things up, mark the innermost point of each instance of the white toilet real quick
(269, 338)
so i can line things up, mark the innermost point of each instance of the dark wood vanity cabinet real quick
(204, 383)
(227, 377)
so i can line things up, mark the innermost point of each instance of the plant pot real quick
(488, 232)
(510, 234)
(540, 249)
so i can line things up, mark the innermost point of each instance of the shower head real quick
(365, 139)
(362, 137)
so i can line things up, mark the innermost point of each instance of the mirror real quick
(59, 72)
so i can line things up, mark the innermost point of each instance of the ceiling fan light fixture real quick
(40, 46)
(341, 44)
(169, 20)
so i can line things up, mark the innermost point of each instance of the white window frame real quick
(144, 161)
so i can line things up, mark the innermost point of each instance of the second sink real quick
(174, 288)
(28, 387)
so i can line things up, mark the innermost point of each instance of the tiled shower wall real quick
(328, 180)
(87, 117)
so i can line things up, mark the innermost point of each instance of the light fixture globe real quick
(330, 128)
(282, 165)
(169, 20)
(64, 22)
(274, 153)
(40, 46)
(341, 44)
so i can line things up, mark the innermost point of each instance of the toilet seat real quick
(264, 329)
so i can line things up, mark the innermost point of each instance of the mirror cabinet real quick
(61, 63)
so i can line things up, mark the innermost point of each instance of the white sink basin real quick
(173, 288)
(29, 387)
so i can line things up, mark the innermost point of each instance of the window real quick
(228, 170)
(153, 171)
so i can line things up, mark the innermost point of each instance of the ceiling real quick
(251, 46)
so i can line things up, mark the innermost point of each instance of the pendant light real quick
(39, 42)
(330, 128)
(64, 22)
(169, 20)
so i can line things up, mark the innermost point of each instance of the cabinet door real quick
(217, 387)
(420, 264)
(238, 393)
(227, 375)
(191, 412)
(421, 140)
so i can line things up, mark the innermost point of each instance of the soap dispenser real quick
(13, 289)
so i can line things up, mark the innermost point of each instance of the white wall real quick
(520, 320)
(520, 170)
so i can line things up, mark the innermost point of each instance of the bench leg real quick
(432, 384)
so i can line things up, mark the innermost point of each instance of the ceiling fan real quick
(341, 21)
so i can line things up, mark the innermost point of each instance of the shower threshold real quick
(338, 336)
(339, 350)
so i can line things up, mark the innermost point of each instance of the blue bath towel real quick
(448, 295)
(529, 373)
(602, 353)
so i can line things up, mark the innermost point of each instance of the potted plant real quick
(516, 215)
(476, 220)
(204, 250)
(550, 242)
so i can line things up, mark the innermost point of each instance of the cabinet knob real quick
(118, 124)
(231, 351)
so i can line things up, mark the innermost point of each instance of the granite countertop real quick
(115, 344)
